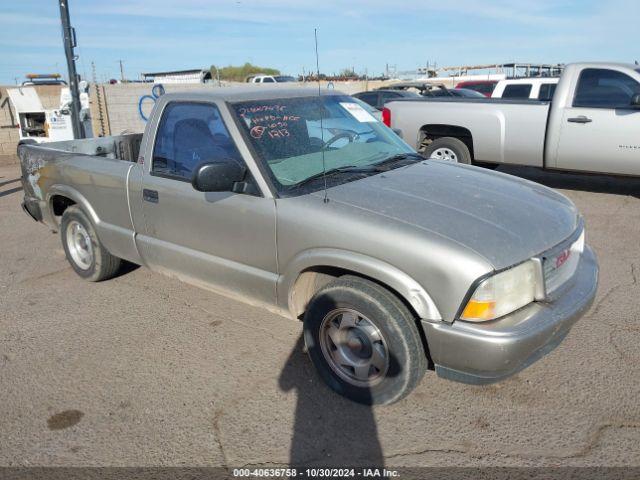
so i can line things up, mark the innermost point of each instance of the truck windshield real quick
(290, 136)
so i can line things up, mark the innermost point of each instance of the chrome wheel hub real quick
(354, 347)
(79, 245)
(444, 154)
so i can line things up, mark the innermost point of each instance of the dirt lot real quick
(145, 370)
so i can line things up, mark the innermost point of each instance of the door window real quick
(601, 88)
(546, 91)
(517, 90)
(191, 134)
(483, 88)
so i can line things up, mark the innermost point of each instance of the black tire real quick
(407, 361)
(101, 265)
(457, 146)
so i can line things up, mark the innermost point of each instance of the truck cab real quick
(304, 203)
(594, 121)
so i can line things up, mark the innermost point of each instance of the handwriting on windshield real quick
(268, 121)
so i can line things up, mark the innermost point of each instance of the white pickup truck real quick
(592, 124)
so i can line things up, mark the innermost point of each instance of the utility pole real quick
(69, 39)
(121, 72)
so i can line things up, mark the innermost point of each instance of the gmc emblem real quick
(563, 257)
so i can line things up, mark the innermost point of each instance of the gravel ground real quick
(145, 370)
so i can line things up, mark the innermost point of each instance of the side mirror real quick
(635, 101)
(218, 176)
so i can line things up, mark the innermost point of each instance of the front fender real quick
(370, 267)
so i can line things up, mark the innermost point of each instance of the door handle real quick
(150, 195)
(580, 119)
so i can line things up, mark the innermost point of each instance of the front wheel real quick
(363, 341)
(449, 149)
(83, 249)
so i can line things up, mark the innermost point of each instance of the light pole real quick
(69, 39)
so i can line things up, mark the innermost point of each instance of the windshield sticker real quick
(268, 121)
(358, 112)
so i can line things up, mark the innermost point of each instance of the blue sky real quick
(151, 35)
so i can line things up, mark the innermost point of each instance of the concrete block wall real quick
(8, 130)
(122, 100)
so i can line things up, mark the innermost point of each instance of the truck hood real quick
(503, 218)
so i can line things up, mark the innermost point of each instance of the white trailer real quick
(37, 124)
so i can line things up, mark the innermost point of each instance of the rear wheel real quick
(83, 249)
(448, 149)
(363, 341)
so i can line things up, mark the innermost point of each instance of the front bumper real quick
(481, 353)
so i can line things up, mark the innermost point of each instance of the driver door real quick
(599, 130)
(221, 240)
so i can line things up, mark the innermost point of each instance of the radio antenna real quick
(324, 167)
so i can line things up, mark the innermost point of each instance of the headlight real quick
(503, 293)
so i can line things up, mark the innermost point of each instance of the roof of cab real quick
(604, 65)
(247, 93)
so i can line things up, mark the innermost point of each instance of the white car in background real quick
(532, 88)
(270, 79)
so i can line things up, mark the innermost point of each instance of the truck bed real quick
(496, 126)
(119, 147)
(93, 172)
(493, 101)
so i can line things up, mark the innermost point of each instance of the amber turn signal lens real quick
(479, 310)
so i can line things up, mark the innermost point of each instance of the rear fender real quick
(73, 194)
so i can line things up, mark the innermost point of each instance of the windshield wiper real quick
(377, 167)
(334, 171)
(416, 157)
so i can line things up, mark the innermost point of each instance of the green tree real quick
(239, 74)
(347, 73)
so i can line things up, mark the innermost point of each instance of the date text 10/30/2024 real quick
(316, 472)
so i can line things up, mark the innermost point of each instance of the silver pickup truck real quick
(307, 205)
(592, 124)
